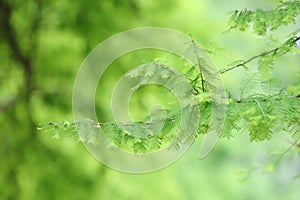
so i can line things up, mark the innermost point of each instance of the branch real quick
(258, 97)
(222, 71)
(162, 120)
(117, 123)
(9, 33)
(290, 42)
(24, 59)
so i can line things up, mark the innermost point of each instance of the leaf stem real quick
(199, 65)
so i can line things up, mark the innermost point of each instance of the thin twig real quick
(162, 120)
(252, 11)
(294, 144)
(264, 99)
(117, 123)
(222, 71)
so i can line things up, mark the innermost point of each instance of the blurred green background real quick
(42, 44)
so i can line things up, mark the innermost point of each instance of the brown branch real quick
(11, 38)
(9, 33)
(162, 120)
(296, 143)
(24, 59)
(264, 99)
(117, 123)
(252, 11)
(294, 40)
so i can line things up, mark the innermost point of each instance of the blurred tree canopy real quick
(42, 44)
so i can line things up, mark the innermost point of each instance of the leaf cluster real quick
(263, 109)
(263, 21)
